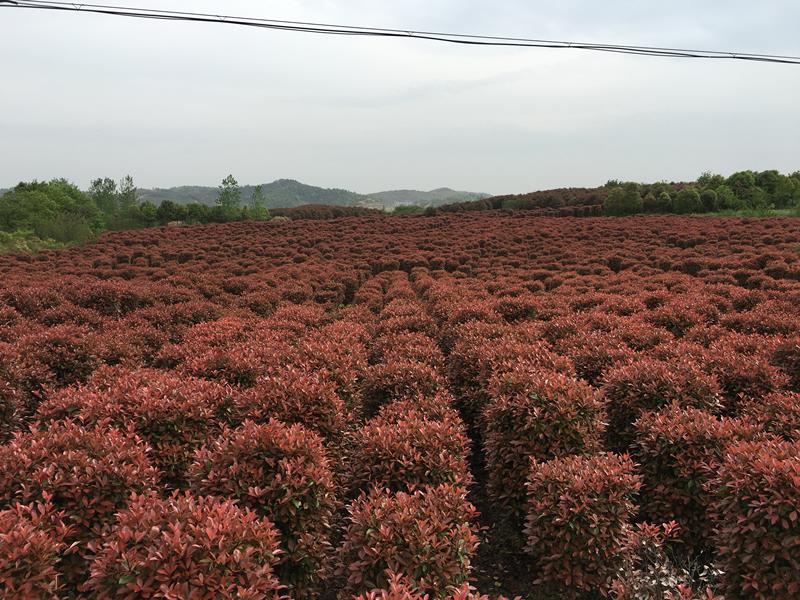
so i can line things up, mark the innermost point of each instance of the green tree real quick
(709, 200)
(727, 200)
(258, 205)
(46, 206)
(128, 194)
(687, 201)
(229, 193)
(621, 201)
(169, 211)
(104, 193)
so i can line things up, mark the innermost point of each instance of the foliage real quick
(425, 536)
(579, 508)
(185, 547)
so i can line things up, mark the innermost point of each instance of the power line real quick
(333, 29)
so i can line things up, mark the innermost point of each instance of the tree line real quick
(57, 210)
(742, 191)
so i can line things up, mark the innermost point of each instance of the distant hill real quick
(288, 193)
(283, 193)
(435, 197)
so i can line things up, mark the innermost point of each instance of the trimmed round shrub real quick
(31, 543)
(387, 382)
(89, 473)
(426, 537)
(594, 352)
(185, 547)
(777, 413)
(678, 450)
(536, 414)
(579, 509)
(742, 377)
(54, 357)
(649, 384)
(407, 346)
(786, 356)
(295, 396)
(756, 495)
(434, 408)
(173, 413)
(408, 452)
(281, 472)
(399, 588)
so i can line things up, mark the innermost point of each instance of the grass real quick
(25, 242)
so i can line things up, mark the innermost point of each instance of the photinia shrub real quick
(649, 384)
(425, 536)
(678, 451)
(408, 452)
(185, 547)
(786, 356)
(536, 414)
(579, 509)
(387, 382)
(31, 544)
(756, 495)
(281, 472)
(777, 413)
(399, 588)
(172, 413)
(294, 395)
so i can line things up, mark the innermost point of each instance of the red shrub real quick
(393, 381)
(742, 377)
(184, 547)
(408, 452)
(281, 473)
(536, 414)
(435, 408)
(777, 413)
(579, 508)
(58, 356)
(786, 355)
(426, 537)
(593, 353)
(88, 473)
(294, 396)
(31, 543)
(678, 450)
(756, 495)
(649, 384)
(407, 347)
(174, 414)
(641, 336)
(399, 588)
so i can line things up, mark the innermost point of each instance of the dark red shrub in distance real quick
(593, 353)
(55, 357)
(742, 377)
(173, 413)
(408, 452)
(579, 508)
(185, 547)
(756, 495)
(536, 414)
(295, 396)
(407, 346)
(425, 536)
(282, 473)
(648, 384)
(786, 356)
(678, 450)
(31, 544)
(387, 382)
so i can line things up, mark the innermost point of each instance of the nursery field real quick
(459, 406)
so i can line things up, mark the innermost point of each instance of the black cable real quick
(330, 29)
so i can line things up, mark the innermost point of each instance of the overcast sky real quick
(85, 96)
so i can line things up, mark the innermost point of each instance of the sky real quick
(86, 96)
